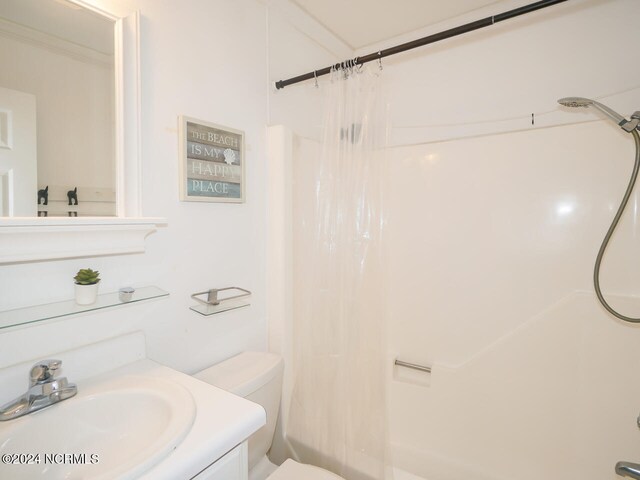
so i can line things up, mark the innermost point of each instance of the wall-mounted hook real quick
(43, 196)
(72, 195)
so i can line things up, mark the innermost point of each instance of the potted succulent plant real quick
(86, 286)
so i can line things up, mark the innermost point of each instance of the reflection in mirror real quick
(57, 113)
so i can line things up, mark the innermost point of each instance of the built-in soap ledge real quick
(47, 311)
(412, 373)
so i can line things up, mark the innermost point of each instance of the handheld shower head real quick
(575, 102)
(630, 127)
(587, 102)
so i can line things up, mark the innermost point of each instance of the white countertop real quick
(221, 422)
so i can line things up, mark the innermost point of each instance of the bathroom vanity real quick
(132, 418)
(233, 466)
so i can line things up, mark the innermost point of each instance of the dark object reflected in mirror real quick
(72, 195)
(43, 196)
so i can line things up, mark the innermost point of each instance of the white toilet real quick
(257, 376)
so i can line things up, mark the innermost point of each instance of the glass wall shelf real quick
(207, 310)
(47, 311)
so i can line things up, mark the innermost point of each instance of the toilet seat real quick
(292, 470)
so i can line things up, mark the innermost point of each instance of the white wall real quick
(205, 59)
(298, 44)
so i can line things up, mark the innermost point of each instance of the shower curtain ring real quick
(315, 76)
(379, 59)
(356, 66)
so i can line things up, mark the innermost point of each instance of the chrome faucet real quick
(44, 390)
(627, 469)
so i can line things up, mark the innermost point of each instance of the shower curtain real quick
(338, 417)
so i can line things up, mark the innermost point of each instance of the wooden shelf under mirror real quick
(28, 240)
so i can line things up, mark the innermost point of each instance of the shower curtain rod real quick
(436, 37)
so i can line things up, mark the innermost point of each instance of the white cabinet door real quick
(233, 466)
(18, 161)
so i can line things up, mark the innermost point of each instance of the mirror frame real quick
(25, 239)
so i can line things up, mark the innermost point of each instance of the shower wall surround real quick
(491, 269)
(490, 282)
(492, 264)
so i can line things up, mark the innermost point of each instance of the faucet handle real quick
(43, 371)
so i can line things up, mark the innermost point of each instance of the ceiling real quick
(364, 22)
(62, 19)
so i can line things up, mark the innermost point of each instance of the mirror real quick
(33, 238)
(57, 110)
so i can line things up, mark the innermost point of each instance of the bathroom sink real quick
(116, 428)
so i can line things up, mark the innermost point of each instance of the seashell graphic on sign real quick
(229, 156)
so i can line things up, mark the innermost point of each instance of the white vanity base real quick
(233, 466)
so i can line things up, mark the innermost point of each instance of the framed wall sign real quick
(212, 163)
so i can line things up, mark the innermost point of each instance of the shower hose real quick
(612, 228)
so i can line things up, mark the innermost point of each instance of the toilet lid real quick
(292, 470)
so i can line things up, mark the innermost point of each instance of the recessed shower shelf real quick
(48, 311)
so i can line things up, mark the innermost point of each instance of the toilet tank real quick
(256, 376)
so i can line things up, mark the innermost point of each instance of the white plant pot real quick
(86, 294)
